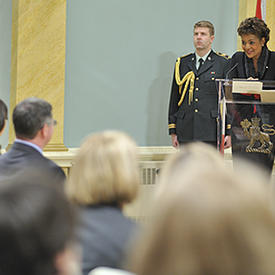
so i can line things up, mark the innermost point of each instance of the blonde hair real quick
(105, 170)
(207, 221)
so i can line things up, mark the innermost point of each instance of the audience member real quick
(33, 125)
(207, 220)
(3, 115)
(3, 118)
(36, 230)
(103, 179)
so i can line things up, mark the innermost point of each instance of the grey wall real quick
(120, 59)
(5, 57)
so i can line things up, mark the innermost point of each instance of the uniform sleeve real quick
(227, 125)
(173, 106)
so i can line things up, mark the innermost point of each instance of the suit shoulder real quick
(56, 172)
(52, 164)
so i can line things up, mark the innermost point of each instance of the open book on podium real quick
(248, 108)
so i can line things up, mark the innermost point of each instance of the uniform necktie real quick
(201, 62)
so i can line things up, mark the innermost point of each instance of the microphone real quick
(231, 69)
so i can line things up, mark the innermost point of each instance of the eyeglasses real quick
(50, 122)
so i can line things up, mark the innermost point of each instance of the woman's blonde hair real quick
(105, 170)
(207, 221)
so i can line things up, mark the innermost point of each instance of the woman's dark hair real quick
(256, 26)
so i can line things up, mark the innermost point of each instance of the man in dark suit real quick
(33, 125)
(3, 117)
(193, 108)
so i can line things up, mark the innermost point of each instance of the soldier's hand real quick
(175, 142)
(227, 142)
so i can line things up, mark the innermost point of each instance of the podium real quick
(249, 105)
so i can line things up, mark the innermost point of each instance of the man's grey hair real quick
(30, 115)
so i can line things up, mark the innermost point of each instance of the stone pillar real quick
(38, 58)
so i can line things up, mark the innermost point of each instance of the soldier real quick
(193, 108)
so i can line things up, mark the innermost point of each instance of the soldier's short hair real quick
(205, 24)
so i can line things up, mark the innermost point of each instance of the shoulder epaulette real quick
(223, 55)
(185, 55)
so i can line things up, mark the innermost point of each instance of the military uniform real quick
(193, 108)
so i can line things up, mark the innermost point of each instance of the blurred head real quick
(105, 170)
(208, 221)
(31, 116)
(3, 115)
(203, 35)
(254, 34)
(36, 229)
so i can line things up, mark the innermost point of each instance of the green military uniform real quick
(193, 108)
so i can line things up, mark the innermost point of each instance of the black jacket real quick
(104, 234)
(197, 120)
(245, 68)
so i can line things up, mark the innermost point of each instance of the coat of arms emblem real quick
(259, 136)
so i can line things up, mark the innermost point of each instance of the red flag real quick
(261, 9)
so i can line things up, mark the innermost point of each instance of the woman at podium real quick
(256, 61)
(250, 139)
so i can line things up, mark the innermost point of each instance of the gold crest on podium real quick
(259, 136)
